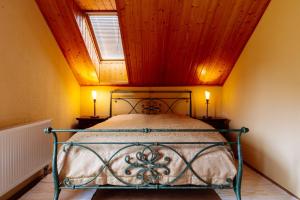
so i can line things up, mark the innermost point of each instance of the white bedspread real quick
(214, 165)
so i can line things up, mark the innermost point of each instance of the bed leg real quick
(237, 192)
(238, 179)
(54, 166)
(56, 194)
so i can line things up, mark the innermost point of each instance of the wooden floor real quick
(255, 187)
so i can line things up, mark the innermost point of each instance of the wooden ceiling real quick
(65, 19)
(185, 42)
(97, 5)
(166, 42)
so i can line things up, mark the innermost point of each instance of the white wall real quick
(263, 93)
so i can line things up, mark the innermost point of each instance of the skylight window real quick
(107, 33)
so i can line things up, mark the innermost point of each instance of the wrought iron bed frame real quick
(151, 105)
(150, 164)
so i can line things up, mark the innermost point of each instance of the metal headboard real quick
(141, 101)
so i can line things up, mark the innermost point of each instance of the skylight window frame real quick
(103, 13)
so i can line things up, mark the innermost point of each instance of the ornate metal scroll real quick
(149, 165)
(151, 105)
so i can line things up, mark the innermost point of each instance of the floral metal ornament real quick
(148, 165)
(151, 106)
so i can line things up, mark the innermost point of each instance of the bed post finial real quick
(48, 130)
(244, 130)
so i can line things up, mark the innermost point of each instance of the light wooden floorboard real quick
(254, 187)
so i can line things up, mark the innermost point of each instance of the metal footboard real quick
(149, 164)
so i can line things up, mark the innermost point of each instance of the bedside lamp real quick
(94, 96)
(207, 96)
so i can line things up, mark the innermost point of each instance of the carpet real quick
(156, 195)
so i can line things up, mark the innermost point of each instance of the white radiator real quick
(24, 150)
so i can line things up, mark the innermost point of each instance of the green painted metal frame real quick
(140, 100)
(146, 184)
(147, 164)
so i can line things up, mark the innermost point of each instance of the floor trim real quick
(39, 176)
(26, 188)
(271, 180)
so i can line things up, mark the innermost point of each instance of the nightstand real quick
(216, 122)
(86, 122)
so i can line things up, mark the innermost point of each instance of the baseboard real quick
(25, 186)
(271, 180)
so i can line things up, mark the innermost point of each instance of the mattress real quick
(138, 165)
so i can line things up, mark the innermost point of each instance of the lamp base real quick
(94, 116)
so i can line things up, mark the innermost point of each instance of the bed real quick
(150, 147)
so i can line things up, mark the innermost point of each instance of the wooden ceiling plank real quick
(113, 4)
(61, 17)
(194, 61)
(152, 56)
(223, 51)
(123, 29)
(172, 11)
(132, 45)
(181, 49)
(206, 36)
(258, 11)
(96, 5)
(215, 68)
(164, 11)
(220, 23)
(155, 37)
(101, 5)
(234, 34)
(144, 20)
(209, 35)
(226, 50)
(107, 4)
(189, 42)
(137, 21)
(198, 62)
(155, 49)
(175, 43)
(143, 42)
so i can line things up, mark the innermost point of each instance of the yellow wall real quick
(263, 93)
(35, 80)
(198, 99)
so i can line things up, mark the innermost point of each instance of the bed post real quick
(238, 179)
(54, 164)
